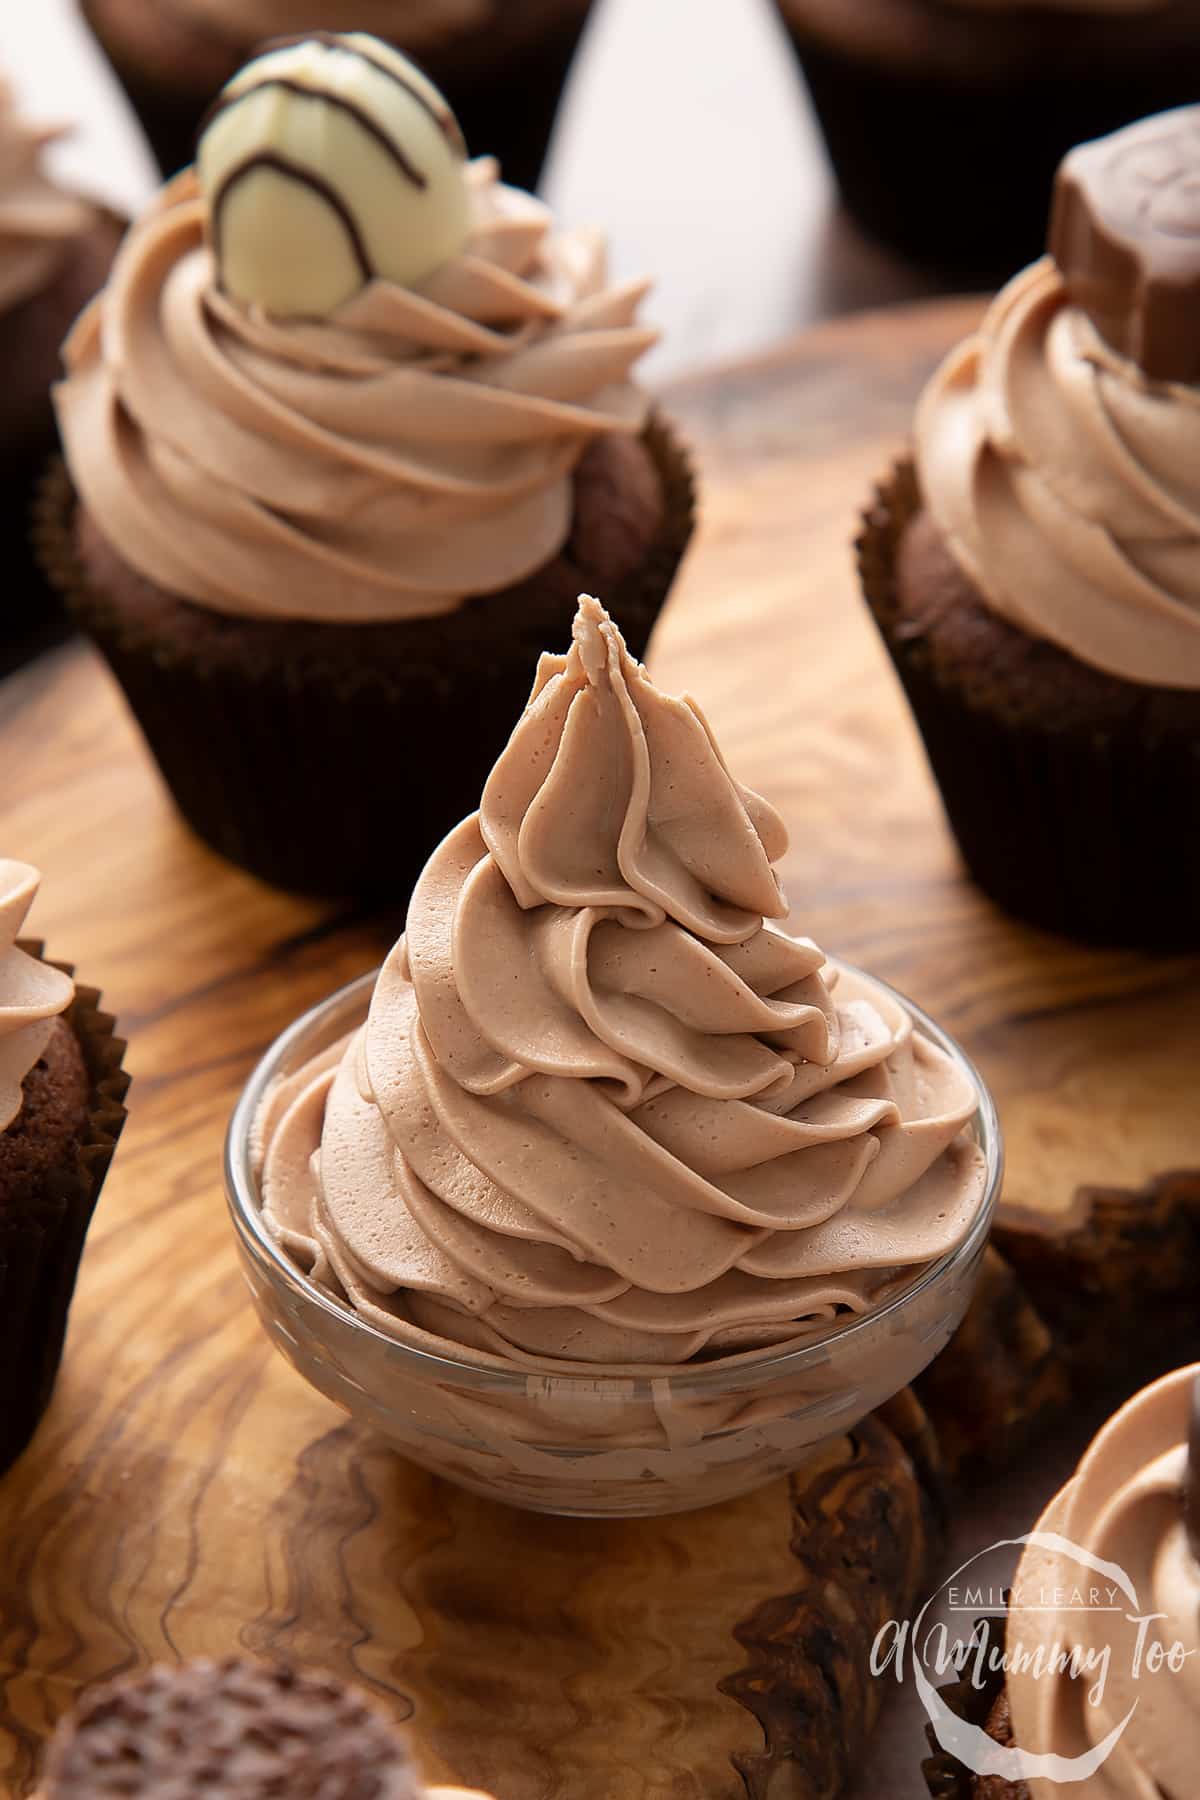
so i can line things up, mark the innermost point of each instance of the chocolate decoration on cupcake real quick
(1125, 232)
(326, 162)
(234, 1728)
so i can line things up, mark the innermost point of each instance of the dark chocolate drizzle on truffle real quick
(231, 1728)
(1125, 231)
(226, 102)
(441, 115)
(268, 159)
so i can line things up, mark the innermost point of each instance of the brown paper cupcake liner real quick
(42, 1236)
(1001, 1380)
(1117, 1282)
(333, 764)
(1073, 1313)
(986, 1707)
(1076, 830)
(867, 1533)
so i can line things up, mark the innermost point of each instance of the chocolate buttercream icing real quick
(38, 221)
(245, 1730)
(32, 993)
(604, 1109)
(1124, 1505)
(1064, 481)
(411, 450)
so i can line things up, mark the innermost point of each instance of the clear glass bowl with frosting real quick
(611, 1195)
(596, 1442)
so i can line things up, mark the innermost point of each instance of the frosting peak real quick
(612, 794)
(32, 993)
(602, 1109)
(414, 448)
(37, 219)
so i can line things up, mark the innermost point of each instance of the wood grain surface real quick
(188, 1493)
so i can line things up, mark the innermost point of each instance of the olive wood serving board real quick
(188, 1493)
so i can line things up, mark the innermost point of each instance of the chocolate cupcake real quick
(1093, 1688)
(347, 432)
(945, 119)
(1036, 577)
(61, 1112)
(55, 251)
(240, 1729)
(172, 57)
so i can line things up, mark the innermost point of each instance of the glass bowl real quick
(604, 1444)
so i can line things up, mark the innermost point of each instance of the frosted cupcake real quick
(609, 1130)
(1036, 577)
(1122, 1720)
(240, 1729)
(55, 251)
(61, 1112)
(347, 430)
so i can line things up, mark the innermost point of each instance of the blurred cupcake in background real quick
(1036, 576)
(945, 119)
(55, 251)
(173, 56)
(348, 430)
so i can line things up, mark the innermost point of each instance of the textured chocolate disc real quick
(228, 1728)
(1125, 231)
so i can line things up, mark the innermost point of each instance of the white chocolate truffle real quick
(325, 163)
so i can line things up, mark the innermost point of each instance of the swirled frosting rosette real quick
(32, 993)
(1136, 1643)
(407, 449)
(604, 1109)
(1057, 445)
